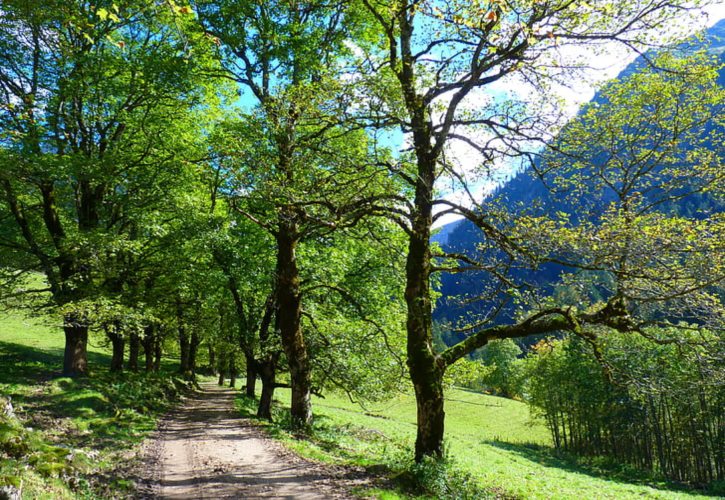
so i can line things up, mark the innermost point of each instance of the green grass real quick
(77, 437)
(493, 440)
(73, 437)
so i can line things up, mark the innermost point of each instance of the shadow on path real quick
(204, 449)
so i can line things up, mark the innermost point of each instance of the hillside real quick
(526, 191)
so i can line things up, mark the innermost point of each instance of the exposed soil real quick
(203, 449)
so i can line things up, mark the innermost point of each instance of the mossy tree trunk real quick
(194, 343)
(75, 356)
(118, 344)
(289, 313)
(222, 368)
(232, 371)
(134, 346)
(426, 368)
(268, 374)
(148, 347)
(251, 376)
(184, 341)
(158, 350)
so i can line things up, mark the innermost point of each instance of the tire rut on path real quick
(203, 449)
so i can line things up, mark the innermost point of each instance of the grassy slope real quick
(76, 437)
(492, 438)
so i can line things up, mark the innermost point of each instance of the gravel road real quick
(203, 449)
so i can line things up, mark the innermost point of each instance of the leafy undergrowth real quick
(71, 438)
(493, 450)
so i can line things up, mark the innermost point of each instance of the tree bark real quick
(430, 412)
(134, 345)
(267, 372)
(75, 356)
(193, 351)
(184, 347)
(232, 372)
(288, 316)
(251, 377)
(212, 357)
(222, 367)
(148, 347)
(184, 343)
(118, 344)
(425, 366)
(158, 351)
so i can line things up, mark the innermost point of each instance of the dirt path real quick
(204, 450)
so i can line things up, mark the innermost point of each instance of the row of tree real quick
(663, 413)
(223, 170)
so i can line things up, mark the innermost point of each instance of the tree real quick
(663, 413)
(91, 130)
(243, 252)
(501, 357)
(302, 170)
(643, 250)
(434, 58)
(353, 312)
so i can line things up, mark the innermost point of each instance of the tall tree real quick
(434, 62)
(302, 170)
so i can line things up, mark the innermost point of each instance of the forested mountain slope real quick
(526, 191)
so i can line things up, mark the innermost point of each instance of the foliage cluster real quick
(497, 368)
(658, 407)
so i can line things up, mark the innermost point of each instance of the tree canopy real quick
(260, 180)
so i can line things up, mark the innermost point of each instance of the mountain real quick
(527, 191)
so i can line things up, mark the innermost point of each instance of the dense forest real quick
(252, 187)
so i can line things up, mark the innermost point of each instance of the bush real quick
(442, 479)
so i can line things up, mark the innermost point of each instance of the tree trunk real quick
(267, 372)
(425, 367)
(184, 347)
(212, 357)
(251, 378)
(134, 345)
(193, 351)
(118, 344)
(158, 351)
(222, 367)
(431, 417)
(148, 347)
(75, 357)
(289, 311)
(232, 372)
(184, 343)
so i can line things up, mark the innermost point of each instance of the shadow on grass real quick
(21, 364)
(113, 407)
(599, 467)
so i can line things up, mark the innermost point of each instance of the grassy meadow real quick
(495, 449)
(72, 438)
(79, 438)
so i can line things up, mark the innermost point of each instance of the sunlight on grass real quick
(72, 433)
(492, 438)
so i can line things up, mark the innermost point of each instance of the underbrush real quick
(70, 438)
